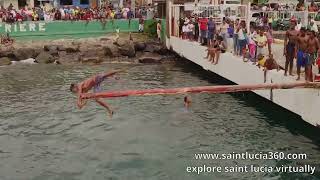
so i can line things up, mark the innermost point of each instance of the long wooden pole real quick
(199, 89)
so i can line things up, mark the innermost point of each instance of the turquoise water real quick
(44, 136)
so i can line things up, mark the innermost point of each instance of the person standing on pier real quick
(211, 30)
(301, 50)
(268, 32)
(159, 30)
(196, 28)
(224, 30)
(235, 38)
(261, 41)
(203, 30)
(313, 49)
(242, 39)
(289, 45)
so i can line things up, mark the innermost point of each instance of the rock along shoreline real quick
(140, 49)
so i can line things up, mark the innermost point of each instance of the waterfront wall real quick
(54, 28)
(60, 29)
(304, 102)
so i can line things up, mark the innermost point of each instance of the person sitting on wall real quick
(313, 7)
(141, 24)
(300, 6)
(210, 53)
(6, 39)
(218, 47)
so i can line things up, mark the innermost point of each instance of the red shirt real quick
(203, 23)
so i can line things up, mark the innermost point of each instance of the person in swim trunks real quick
(301, 50)
(289, 45)
(313, 48)
(93, 82)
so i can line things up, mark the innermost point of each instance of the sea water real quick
(44, 136)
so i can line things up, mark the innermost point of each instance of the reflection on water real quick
(44, 136)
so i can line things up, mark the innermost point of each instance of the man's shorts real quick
(210, 35)
(302, 58)
(312, 58)
(203, 34)
(98, 80)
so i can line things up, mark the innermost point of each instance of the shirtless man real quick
(313, 49)
(301, 50)
(93, 82)
(289, 45)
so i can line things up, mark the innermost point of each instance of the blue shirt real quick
(211, 25)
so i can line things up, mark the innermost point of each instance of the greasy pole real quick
(168, 17)
(199, 89)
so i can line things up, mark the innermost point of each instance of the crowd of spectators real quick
(255, 44)
(300, 6)
(252, 45)
(10, 14)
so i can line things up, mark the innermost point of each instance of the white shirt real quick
(241, 35)
(251, 37)
(224, 28)
(298, 27)
(190, 27)
(14, 14)
(314, 28)
(184, 28)
(47, 17)
(264, 8)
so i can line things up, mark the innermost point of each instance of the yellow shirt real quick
(261, 40)
(262, 61)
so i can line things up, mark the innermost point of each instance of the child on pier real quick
(270, 64)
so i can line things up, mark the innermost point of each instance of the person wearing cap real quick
(289, 46)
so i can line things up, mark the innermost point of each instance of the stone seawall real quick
(140, 49)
